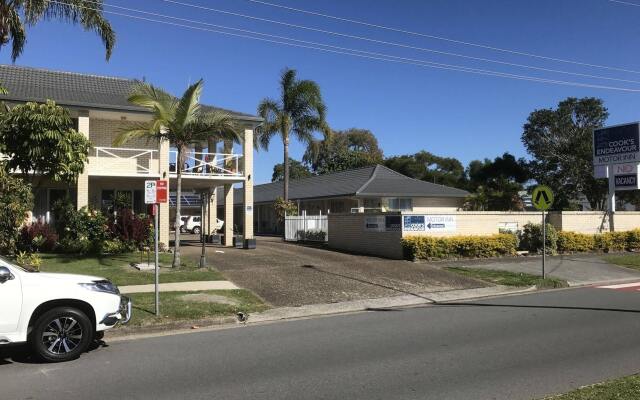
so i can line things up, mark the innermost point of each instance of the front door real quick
(11, 300)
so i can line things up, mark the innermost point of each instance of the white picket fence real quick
(308, 228)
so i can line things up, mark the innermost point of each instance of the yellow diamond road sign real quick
(542, 197)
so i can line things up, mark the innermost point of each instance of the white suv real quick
(193, 224)
(60, 315)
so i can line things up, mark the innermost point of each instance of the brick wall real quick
(346, 232)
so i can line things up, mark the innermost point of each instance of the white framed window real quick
(400, 204)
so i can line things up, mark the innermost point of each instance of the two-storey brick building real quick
(100, 110)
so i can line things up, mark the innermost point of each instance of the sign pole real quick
(157, 278)
(612, 196)
(544, 243)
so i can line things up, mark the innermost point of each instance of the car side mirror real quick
(5, 275)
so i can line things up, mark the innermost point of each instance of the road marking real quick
(633, 286)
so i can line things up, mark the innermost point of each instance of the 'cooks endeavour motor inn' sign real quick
(617, 144)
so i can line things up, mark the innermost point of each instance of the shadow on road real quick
(22, 354)
(313, 267)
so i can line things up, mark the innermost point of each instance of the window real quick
(400, 204)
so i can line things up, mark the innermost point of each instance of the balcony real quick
(120, 161)
(206, 165)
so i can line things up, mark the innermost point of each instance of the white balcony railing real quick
(120, 161)
(199, 164)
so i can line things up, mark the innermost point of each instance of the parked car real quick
(59, 315)
(193, 225)
(183, 219)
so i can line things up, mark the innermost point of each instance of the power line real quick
(345, 51)
(408, 32)
(628, 3)
(368, 39)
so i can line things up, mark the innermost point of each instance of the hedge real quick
(506, 244)
(430, 248)
(571, 242)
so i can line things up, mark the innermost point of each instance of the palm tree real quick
(181, 122)
(87, 14)
(299, 112)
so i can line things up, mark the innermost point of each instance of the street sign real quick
(162, 191)
(616, 144)
(150, 192)
(542, 197)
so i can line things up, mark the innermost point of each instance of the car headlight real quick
(103, 286)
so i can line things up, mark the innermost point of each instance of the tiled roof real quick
(378, 181)
(74, 89)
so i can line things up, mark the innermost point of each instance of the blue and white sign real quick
(440, 223)
(413, 223)
(616, 144)
(429, 223)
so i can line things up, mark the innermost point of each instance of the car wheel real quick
(61, 334)
(196, 230)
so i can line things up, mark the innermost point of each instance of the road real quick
(518, 347)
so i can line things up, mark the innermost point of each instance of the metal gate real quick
(310, 228)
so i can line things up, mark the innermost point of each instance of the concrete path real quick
(180, 287)
(575, 269)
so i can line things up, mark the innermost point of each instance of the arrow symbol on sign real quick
(542, 194)
(429, 225)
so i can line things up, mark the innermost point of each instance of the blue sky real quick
(409, 108)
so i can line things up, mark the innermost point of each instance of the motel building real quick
(99, 108)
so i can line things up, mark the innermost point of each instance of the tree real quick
(16, 15)
(343, 150)
(429, 167)
(297, 170)
(299, 112)
(40, 139)
(16, 200)
(181, 122)
(560, 142)
(495, 184)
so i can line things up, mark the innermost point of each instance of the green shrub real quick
(16, 200)
(531, 238)
(429, 248)
(611, 241)
(633, 240)
(81, 231)
(572, 242)
(116, 247)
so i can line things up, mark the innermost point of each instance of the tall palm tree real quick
(87, 14)
(299, 112)
(181, 122)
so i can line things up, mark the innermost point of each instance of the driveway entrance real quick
(286, 274)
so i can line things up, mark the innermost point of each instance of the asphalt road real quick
(518, 347)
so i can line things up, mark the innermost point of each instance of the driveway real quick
(575, 269)
(286, 274)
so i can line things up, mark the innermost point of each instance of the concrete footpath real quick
(180, 287)
(577, 270)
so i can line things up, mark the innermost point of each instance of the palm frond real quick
(271, 112)
(189, 104)
(137, 130)
(16, 32)
(90, 16)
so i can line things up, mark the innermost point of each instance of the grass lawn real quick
(509, 278)
(117, 268)
(625, 260)
(173, 307)
(618, 389)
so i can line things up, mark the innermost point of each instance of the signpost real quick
(542, 198)
(616, 154)
(155, 192)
